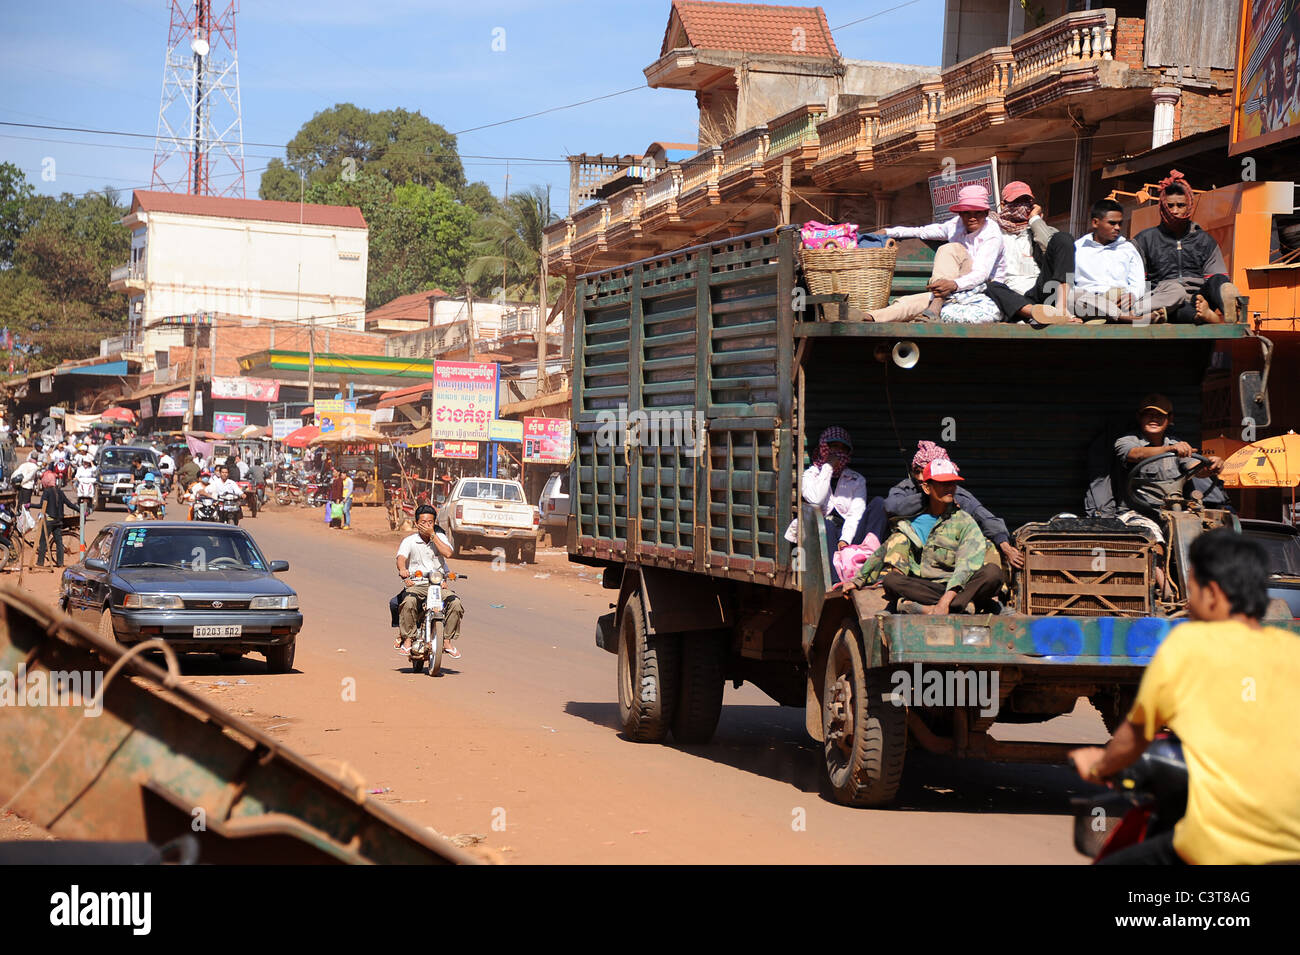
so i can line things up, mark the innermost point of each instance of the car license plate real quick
(497, 532)
(228, 630)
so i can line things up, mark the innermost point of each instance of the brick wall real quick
(1199, 110)
(1130, 36)
(235, 341)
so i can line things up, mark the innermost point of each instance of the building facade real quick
(256, 260)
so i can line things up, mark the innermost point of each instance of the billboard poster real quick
(227, 422)
(464, 400)
(505, 430)
(246, 389)
(146, 408)
(174, 404)
(546, 440)
(281, 428)
(341, 420)
(1266, 90)
(945, 186)
(455, 449)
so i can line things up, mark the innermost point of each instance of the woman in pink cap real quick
(970, 257)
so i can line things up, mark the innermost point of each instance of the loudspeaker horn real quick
(906, 354)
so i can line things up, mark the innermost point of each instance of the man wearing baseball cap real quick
(1154, 415)
(970, 257)
(938, 562)
(1039, 259)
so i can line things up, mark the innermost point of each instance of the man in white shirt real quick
(1109, 276)
(27, 475)
(221, 483)
(420, 557)
(167, 466)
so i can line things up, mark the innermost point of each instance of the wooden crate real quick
(1086, 577)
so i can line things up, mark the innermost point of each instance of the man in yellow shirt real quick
(1229, 687)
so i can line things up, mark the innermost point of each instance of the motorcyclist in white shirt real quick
(84, 481)
(26, 474)
(221, 483)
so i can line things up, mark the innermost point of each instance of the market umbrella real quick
(302, 437)
(420, 439)
(1273, 462)
(348, 434)
(119, 413)
(249, 432)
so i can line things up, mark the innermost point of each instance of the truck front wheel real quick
(865, 733)
(648, 668)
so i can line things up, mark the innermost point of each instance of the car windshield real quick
(1283, 552)
(122, 457)
(491, 491)
(196, 549)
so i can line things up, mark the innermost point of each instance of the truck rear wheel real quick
(648, 668)
(528, 551)
(865, 734)
(699, 701)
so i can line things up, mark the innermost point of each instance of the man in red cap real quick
(1184, 265)
(938, 562)
(970, 257)
(1039, 259)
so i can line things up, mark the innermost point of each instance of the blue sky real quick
(99, 65)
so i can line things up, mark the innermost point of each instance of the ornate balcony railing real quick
(794, 129)
(665, 186)
(744, 151)
(977, 80)
(701, 170)
(1088, 35)
(910, 107)
(847, 132)
(591, 221)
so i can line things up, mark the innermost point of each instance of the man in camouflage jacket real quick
(938, 562)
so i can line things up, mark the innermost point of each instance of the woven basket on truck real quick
(864, 274)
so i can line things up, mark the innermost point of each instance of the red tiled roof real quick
(750, 28)
(262, 210)
(411, 307)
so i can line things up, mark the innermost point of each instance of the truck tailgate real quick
(497, 514)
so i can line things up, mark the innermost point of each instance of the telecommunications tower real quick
(199, 147)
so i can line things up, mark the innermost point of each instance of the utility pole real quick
(194, 375)
(469, 320)
(311, 359)
(541, 323)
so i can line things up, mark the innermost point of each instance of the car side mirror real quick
(94, 563)
(278, 566)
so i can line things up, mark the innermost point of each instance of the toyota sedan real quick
(201, 587)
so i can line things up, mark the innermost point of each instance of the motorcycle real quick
(8, 547)
(148, 509)
(251, 496)
(427, 646)
(1148, 799)
(206, 509)
(230, 507)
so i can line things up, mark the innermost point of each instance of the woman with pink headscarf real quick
(906, 500)
(841, 493)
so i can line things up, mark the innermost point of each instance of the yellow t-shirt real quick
(1232, 694)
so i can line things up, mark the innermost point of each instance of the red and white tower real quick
(199, 147)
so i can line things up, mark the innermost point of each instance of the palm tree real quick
(509, 245)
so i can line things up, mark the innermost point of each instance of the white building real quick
(252, 258)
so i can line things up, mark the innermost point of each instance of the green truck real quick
(701, 380)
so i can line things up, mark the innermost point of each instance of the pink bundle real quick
(848, 560)
(819, 235)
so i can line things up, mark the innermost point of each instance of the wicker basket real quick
(865, 274)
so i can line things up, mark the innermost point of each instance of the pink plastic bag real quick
(848, 560)
(819, 235)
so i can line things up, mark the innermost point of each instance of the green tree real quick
(15, 195)
(507, 247)
(346, 140)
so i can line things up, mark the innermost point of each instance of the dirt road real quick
(518, 741)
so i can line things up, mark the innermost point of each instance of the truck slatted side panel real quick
(688, 425)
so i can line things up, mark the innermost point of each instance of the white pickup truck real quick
(491, 512)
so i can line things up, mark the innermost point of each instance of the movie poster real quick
(1266, 99)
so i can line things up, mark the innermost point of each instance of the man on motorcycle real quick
(222, 484)
(147, 493)
(198, 489)
(1226, 686)
(84, 480)
(421, 556)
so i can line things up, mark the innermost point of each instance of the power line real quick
(874, 15)
(555, 109)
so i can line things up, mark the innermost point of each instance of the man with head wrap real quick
(1184, 266)
(907, 500)
(1039, 259)
(841, 493)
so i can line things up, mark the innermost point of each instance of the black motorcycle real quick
(230, 507)
(1148, 799)
(206, 509)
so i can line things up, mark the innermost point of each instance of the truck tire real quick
(699, 700)
(648, 669)
(529, 549)
(865, 733)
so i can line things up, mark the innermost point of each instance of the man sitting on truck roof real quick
(1183, 263)
(907, 500)
(939, 562)
(1039, 259)
(1109, 279)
